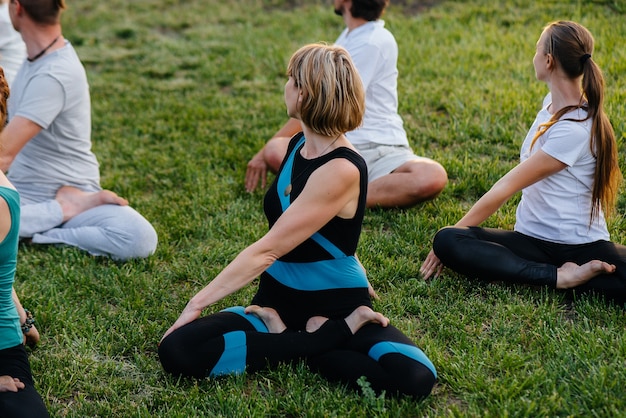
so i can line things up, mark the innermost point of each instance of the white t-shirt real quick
(53, 93)
(558, 208)
(12, 48)
(374, 51)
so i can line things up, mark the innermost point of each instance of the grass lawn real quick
(185, 92)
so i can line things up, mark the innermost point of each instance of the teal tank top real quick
(10, 331)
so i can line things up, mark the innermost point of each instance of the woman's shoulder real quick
(293, 142)
(574, 124)
(8, 197)
(8, 191)
(349, 154)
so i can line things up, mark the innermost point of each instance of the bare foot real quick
(74, 201)
(314, 323)
(571, 274)
(269, 316)
(364, 315)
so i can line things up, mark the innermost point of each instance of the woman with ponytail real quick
(569, 179)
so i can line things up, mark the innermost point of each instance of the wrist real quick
(193, 306)
(28, 322)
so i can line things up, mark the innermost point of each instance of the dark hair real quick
(368, 9)
(45, 12)
(571, 45)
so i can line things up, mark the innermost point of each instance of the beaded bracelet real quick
(30, 321)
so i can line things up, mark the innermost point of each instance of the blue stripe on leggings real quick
(253, 319)
(386, 347)
(233, 359)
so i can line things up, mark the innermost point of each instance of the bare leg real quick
(74, 201)
(275, 151)
(411, 183)
(571, 274)
(359, 317)
(269, 316)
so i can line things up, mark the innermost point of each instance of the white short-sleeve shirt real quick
(12, 47)
(374, 51)
(558, 208)
(53, 93)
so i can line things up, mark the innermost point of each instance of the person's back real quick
(375, 54)
(12, 48)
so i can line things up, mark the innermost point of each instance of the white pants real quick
(114, 231)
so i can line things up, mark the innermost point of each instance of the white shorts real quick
(383, 159)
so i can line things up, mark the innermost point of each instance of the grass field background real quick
(184, 93)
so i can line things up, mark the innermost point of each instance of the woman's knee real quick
(172, 356)
(445, 241)
(420, 383)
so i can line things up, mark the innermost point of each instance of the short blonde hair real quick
(333, 97)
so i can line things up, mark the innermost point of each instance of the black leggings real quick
(226, 342)
(495, 254)
(25, 402)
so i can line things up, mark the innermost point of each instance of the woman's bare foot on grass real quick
(74, 201)
(570, 275)
(359, 317)
(269, 316)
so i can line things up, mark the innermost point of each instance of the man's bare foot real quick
(571, 274)
(364, 315)
(314, 323)
(269, 316)
(74, 201)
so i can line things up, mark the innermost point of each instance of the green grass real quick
(185, 92)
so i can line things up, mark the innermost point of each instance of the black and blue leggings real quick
(509, 256)
(231, 342)
(25, 402)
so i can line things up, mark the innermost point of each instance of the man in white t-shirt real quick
(46, 148)
(397, 177)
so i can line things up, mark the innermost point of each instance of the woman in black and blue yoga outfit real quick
(313, 300)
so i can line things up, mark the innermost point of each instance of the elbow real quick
(269, 259)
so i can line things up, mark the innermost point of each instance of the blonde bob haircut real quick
(333, 97)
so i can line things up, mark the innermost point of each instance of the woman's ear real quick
(550, 62)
